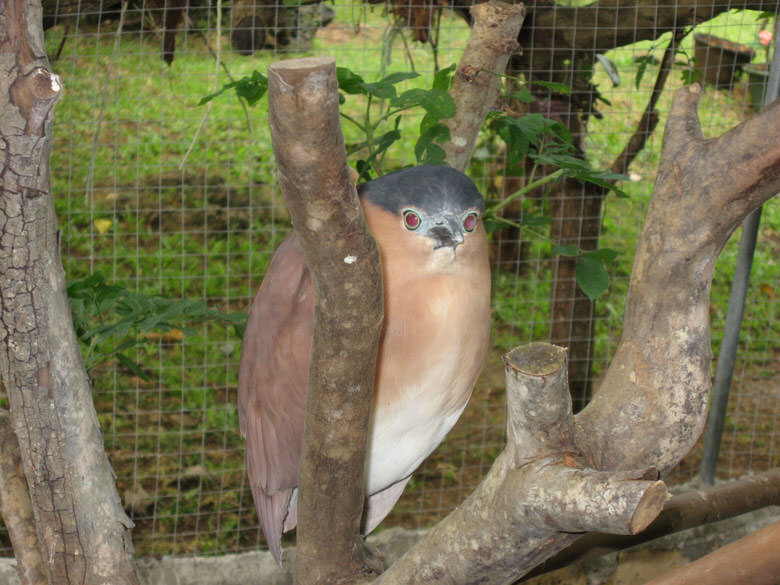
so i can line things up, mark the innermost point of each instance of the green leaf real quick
(595, 178)
(642, 62)
(436, 102)
(536, 220)
(691, 76)
(380, 89)
(433, 155)
(604, 255)
(442, 80)
(591, 277)
(394, 78)
(490, 224)
(610, 68)
(523, 95)
(564, 161)
(531, 125)
(132, 366)
(363, 169)
(566, 250)
(252, 88)
(349, 82)
(387, 139)
(561, 88)
(381, 145)
(426, 150)
(409, 99)
(517, 143)
(206, 99)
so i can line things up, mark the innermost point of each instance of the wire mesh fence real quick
(165, 196)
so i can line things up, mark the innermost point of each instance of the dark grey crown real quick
(429, 188)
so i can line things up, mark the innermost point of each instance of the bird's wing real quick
(272, 384)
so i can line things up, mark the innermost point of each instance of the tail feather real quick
(271, 511)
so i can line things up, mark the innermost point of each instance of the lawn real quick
(167, 197)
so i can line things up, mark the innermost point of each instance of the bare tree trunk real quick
(83, 532)
(344, 261)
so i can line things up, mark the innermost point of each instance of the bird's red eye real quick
(412, 219)
(470, 221)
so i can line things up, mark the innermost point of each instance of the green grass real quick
(207, 230)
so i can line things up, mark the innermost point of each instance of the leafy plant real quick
(110, 319)
(546, 142)
(436, 102)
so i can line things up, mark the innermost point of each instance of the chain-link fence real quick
(166, 198)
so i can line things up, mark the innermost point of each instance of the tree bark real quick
(576, 212)
(576, 220)
(344, 261)
(651, 407)
(477, 82)
(82, 530)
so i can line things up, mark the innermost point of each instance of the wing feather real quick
(272, 384)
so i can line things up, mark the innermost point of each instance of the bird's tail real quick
(271, 511)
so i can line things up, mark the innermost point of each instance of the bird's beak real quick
(445, 231)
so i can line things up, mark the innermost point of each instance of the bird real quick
(427, 222)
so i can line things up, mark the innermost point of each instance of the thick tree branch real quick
(81, 527)
(651, 407)
(478, 79)
(344, 261)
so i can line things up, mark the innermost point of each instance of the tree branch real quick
(652, 404)
(478, 79)
(344, 262)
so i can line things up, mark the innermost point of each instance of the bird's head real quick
(435, 202)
